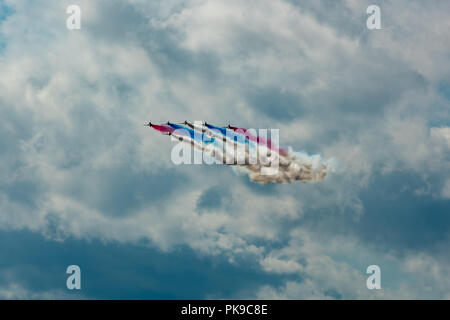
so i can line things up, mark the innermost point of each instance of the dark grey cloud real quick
(275, 103)
(115, 271)
(213, 198)
(397, 215)
(121, 191)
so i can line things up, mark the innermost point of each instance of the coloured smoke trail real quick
(248, 152)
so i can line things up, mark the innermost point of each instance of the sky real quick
(82, 182)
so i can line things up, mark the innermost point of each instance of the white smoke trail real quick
(295, 166)
(237, 151)
(263, 166)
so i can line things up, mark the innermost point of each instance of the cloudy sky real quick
(83, 182)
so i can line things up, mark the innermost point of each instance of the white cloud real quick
(14, 291)
(441, 135)
(445, 193)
